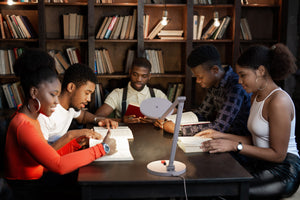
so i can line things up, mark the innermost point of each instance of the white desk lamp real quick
(156, 108)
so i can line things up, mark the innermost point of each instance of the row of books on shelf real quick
(245, 30)
(174, 90)
(210, 31)
(56, 1)
(118, 27)
(100, 94)
(11, 95)
(16, 27)
(104, 1)
(103, 64)
(202, 2)
(7, 59)
(74, 26)
(64, 60)
(244, 2)
(25, 1)
(155, 57)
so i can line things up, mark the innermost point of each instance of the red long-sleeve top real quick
(28, 154)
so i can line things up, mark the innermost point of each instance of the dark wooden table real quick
(206, 174)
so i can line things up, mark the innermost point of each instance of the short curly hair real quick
(78, 74)
(204, 54)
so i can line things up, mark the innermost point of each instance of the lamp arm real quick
(174, 104)
(180, 101)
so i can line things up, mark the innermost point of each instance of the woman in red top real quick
(27, 153)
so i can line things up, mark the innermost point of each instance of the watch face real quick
(106, 148)
(240, 147)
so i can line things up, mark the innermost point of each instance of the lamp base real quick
(159, 169)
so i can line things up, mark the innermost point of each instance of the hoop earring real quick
(263, 87)
(39, 105)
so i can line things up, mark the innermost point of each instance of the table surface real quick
(152, 144)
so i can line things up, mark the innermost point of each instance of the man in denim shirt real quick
(226, 104)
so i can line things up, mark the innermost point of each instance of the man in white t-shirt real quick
(135, 92)
(77, 87)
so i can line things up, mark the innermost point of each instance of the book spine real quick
(110, 27)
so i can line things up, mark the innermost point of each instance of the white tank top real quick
(259, 127)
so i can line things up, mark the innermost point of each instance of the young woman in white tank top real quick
(271, 151)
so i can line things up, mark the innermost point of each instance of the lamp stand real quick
(170, 167)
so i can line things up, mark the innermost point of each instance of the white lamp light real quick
(216, 19)
(156, 108)
(164, 20)
(10, 2)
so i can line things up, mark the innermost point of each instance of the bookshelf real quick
(47, 19)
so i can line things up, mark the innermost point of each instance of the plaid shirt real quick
(226, 106)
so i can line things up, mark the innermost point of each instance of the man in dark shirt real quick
(226, 104)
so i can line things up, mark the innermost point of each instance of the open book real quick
(188, 118)
(190, 144)
(122, 134)
(133, 109)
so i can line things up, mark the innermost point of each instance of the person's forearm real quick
(62, 141)
(169, 127)
(237, 138)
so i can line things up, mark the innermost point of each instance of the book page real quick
(121, 131)
(190, 144)
(123, 150)
(187, 118)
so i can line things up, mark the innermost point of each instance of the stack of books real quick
(74, 26)
(13, 93)
(73, 55)
(104, 1)
(198, 21)
(174, 90)
(155, 57)
(118, 27)
(7, 60)
(16, 27)
(203, 2)
(170, 34)
(213, 32)
(245, 29)
(103, 64)
(61, 62)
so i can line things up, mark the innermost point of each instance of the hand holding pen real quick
(111, 142)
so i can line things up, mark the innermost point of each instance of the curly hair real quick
(142, 62)
(204, 54)
(33, 67)
(278, 60)
(78, 74)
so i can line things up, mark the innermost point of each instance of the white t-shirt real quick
(114, 99)
(58, 123)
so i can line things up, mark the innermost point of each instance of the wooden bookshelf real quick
(47, 20)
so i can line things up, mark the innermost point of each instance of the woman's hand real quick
(210, 133)
(219, 146)
(111, 142)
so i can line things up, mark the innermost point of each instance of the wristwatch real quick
(106, 147)
(239, 147)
